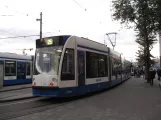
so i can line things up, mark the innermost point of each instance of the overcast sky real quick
(62, 17)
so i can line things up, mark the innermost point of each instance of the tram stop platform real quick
(16, 92)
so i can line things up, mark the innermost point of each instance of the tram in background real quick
(71, 66)
(15, 69)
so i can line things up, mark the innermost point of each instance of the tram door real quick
(81, 68)
(1, 75)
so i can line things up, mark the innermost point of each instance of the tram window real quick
(102, 66)
(116, 67)
(91, 65)
(28, 68)
(119, 67)
(68, 71)
(21, 70)
(10, 68)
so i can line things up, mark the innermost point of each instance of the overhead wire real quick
(6, 15)
(79, 5)
(27, 15)
(22, 36)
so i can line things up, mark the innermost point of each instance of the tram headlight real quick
(54, 79)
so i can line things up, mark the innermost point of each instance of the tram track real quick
(46, 104)
(36, 106)
(21, 88)
(10, 115)
(11, 96)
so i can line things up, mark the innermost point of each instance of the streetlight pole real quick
(40, 24)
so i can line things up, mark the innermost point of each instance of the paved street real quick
(15, 87)
(132, 100)
(16, 92)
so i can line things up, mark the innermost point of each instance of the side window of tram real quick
(114, 67)
(102, 66)
(96, 65)
(91, 65)
(21, 72)
(28, 68)
(10, 68)
(68, 72)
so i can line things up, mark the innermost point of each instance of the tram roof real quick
(5, 55)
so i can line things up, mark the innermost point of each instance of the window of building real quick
(68, 71)
(10, 68)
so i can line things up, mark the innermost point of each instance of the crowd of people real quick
(138, 72)
(152, 74)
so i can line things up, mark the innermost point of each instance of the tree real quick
(146, 17)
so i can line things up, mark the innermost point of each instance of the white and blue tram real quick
(15, 69)
(70, 66)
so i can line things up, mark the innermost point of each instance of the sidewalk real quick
(155, 81)
(15, 87)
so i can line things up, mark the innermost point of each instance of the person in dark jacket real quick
(159, 73)
(152, 73)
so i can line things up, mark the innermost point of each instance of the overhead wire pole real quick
(112, 43)
(40, 25)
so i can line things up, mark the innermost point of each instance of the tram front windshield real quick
(47, 60)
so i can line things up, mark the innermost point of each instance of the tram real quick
(71, 66)
(15, 69)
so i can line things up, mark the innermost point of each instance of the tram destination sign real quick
(50, 41)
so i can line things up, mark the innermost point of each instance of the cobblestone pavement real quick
(132, 100)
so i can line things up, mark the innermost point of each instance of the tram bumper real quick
(45, 91)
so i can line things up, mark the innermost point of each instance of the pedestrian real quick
(159, 73)
(152, 73)
(134, 72)
(142, 72)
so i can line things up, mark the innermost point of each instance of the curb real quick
(120, 82)
(15, 89)
(15, 99)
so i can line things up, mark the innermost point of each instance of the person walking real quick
(159, 75)
(152, 73)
